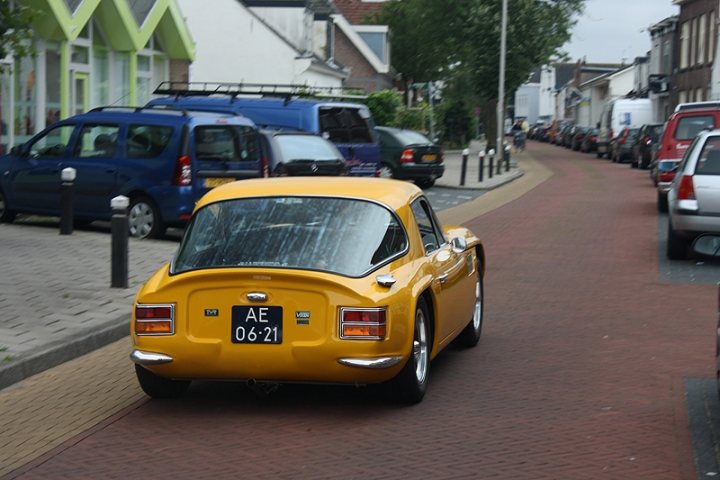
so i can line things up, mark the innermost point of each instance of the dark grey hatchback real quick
(409, 155)
(292, 153)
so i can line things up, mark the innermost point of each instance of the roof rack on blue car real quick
(169, 111)
(186, 89)
(162, 107)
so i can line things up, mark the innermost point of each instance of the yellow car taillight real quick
(363, 323)
(154, 319)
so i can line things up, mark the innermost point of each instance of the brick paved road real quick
(580, 373)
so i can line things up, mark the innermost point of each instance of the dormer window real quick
(376, 37)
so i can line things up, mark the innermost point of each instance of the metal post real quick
(481, 165)
(430, 111)
(119, 232)
(501, 80)
(507, 158)
(463, 171)
(491, 155)
(67, 198)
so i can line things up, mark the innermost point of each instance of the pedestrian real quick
(519, 135)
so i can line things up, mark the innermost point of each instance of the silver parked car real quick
(694, 195)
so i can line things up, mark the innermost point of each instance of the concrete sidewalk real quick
(453, 169)
(55, 294)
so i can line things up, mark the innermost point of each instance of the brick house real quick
(362, 47)
(694, 51)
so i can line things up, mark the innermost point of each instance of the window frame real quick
(423, 204)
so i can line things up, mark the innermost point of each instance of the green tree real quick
(449, 40)
(15, 30)
(384, 105)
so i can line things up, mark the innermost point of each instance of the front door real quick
(453, 285)
(35, 177)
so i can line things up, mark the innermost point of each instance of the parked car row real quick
(166, 155)
(683, 157)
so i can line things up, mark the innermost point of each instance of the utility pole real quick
(501, 83)
(432, 115)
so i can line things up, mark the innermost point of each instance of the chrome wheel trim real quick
(478, 313)
(141, 220)
(420, 347)
(385, 172)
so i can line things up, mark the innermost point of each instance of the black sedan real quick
(647, 141)
(409, 155)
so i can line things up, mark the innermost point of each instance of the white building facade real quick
(268, 45)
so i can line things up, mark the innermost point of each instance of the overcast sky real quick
(610, 30)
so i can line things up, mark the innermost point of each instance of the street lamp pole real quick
(501, 83)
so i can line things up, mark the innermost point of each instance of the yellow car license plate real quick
(429, 157)
(217, 181)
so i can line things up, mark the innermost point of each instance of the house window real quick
(141, 9)
(375, 36)
(685, 45)
(152, 69)
(80, 54)
(711, 37)
(666, 67)
(121, 77)
(100, 79)
(5, 110)
(693, 41)
(702, 40)
(52, 83)
(144, 76)
(26, 98)
(72, 5)
(682, 96)
(699, 95)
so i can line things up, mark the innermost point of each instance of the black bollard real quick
(67, 198)
(481, 165)
(463, 171)
(499, 162)
(491, 159)
(119, 232)
(507, 159)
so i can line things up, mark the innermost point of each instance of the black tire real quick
(662, 205)
(677, 246)
(410, 385)
(159, 387)
(386, 171)
(144, 219)
(470, 336)
(635, 163)
(598, 154)
(425, 183)
(6, 216)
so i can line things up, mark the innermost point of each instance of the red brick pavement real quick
(578, 376)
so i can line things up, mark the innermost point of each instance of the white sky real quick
(612, 30)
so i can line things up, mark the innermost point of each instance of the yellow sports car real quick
(336, 280)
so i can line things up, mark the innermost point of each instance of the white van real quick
(620, 113)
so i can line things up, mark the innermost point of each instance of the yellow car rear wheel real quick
(410, 385)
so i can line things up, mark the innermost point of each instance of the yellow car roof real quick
(393, 193)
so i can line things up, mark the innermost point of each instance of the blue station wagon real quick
(163, 161)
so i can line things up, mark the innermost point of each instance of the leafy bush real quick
(384, 105)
